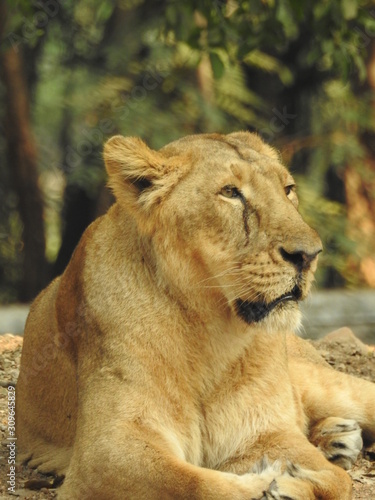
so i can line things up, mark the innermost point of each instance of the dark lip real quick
(253, 312)
(294, 294)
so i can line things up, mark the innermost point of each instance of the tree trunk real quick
(22, 162)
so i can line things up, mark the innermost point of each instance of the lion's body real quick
(158, 362)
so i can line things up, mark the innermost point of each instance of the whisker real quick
(231, 270)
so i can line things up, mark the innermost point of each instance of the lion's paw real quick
(293, 484)
(339, 439)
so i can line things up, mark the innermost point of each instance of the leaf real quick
(104, 11)
(349, 9)
(270, 64)
(285, 16)
(217, 65)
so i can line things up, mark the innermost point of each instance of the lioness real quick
(161, 364)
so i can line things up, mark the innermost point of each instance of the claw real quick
(272, 493)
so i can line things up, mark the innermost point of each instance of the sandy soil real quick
(343, 351)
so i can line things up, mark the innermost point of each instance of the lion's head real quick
(220, 215)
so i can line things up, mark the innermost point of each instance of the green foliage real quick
(166, 69)
(340, 30)
(338, 119)
(329, 219)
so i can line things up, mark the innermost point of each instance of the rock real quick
(346, 337)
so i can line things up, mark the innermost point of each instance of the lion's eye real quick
(230, 192)
(290, 189)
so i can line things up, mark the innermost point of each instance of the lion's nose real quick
(300, 258)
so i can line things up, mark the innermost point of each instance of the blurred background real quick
(75, 72)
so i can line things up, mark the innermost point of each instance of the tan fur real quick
(141, 377)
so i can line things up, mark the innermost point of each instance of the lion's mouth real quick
(253, 312)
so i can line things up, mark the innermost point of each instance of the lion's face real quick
(223, 210)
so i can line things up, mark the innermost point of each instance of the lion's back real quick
(45, 432)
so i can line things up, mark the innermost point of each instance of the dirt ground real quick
(341, 350)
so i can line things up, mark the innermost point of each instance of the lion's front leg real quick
(326, 393)
(123, 451)
(138, 465)
(305, 473)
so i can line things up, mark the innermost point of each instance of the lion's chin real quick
(254, 312)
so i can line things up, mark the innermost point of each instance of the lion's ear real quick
(139, 176)
(129, 160)
(135, 171)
